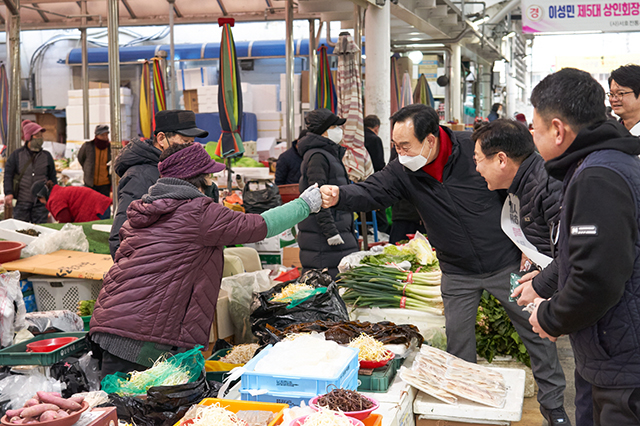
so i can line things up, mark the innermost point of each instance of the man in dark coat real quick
(495, 112)
(137, 164)
(372, 141)
(326, 237)
(435, 171)
(94, 157)
(26, 166)
(288, 165)
(597, 302)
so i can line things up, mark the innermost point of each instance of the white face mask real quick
(415, 163)
(335, 134)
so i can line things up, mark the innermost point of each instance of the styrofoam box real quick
(429, 407)
(252, 381)
(269, 134)
(55, 293)
(269, 121)
(8, 228)
(271, 244)
(265, 97)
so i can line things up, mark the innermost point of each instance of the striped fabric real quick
(349, 87)
(406, 97)
(422, 93)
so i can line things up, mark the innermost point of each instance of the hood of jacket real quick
(164, 197)
(311, 141)
(136, 152)
(605, 135)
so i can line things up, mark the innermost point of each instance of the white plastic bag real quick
(240, 289)
(18, 388)
(354, 259)
(70, 237)
(12, 309)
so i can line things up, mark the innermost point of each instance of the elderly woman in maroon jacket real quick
(160, 295)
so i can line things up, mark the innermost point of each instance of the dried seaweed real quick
(344, 400)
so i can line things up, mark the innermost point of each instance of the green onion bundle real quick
(386, 287)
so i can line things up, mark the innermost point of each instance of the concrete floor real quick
(531, 409)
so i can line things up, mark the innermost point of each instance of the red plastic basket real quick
(289, 192)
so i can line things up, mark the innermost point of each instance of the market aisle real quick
(531, 409)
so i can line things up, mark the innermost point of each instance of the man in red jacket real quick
(72, 203)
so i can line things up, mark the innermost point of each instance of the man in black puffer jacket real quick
(506, 158)
(329, 235)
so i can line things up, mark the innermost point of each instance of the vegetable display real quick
(370, 348)
(44, 407)
(344, 400)
(240, 354)
(388, 287)
(85, 307)
(292, 292)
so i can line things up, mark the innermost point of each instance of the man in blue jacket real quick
(435, 171)
(598, 261)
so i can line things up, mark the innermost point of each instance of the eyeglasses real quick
(618, 95)
(476, 160)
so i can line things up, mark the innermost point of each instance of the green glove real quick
(281, 218)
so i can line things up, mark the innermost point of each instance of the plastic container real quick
(373, 420)
(54, 294)
(18, 355)
(300, 421)
(296, 398)
(8, 228)
(289, 192)
(378, 364)
(236, 405)
(360, 415)
(218, 376)
(379, 380)
(64, 421)
(347, 378)
(10, 250)
(49, 345)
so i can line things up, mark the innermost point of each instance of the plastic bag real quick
(15, 390)
(265, 196)
(190, 362)
(354, 259)
(240, 289)
(69, 372)
(63, 321)
(327, 306)
(91, 369)
(70, 237)
(165, 405)
(12, 309)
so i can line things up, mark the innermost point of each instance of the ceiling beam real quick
(177, 11)
(125, 3)
(44, 17)
(401, 12)
(11, 6)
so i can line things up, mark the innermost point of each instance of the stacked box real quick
(99, 113)
(208, 98)
(297, 118)
(54, 294)
(192, 78)
(269, 124)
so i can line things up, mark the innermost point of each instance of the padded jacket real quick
(163, 286)
(288, 166)
(137, 166)
(460, 214)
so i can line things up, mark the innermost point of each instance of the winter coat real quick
(164, 284)
(322, 164)
(137, 166)
(403, 210)
(539, 197)
(288, 166)
(84, 204)
(87, 159)
(41, 168)
(373, 143)
(460, 214)
(598, 266)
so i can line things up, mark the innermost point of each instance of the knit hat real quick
(101, 129)
(521, 118)
(189, 162)
(39, 189)
(319, 120)
(29, 128)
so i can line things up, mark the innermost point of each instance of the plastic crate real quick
(303, 385)
(373, 420)
(54, 294)
(289, 192)
(17, 355)
(235, 405)
(218, 376)
(296, 398)
(379, 380)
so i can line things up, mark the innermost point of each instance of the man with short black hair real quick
(598, 272)
(435, 171)
(372, 141)
(624, 96)
(137, 164)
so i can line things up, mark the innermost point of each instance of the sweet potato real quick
(48, 415)
(62, 413)
(16, 420)
(14, 413)
(36, 410)
(31, 402)
(65, 404)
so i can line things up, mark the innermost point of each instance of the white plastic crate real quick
(53, 293)
(8, 228)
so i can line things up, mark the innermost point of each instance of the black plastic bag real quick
(260, 200)
(327, 306)
(165, 405)
(69, 372)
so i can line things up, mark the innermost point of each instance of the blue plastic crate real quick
(30, 303)
(295, 398)
(347, 378)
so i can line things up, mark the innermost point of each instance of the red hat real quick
(29, 128)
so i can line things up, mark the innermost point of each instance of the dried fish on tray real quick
(447, 377)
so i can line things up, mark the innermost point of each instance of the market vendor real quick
(69, 204)
(161, 293)
(435, 171)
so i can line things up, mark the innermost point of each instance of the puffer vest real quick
(608, 353)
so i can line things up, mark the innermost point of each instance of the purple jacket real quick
(164, 284)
